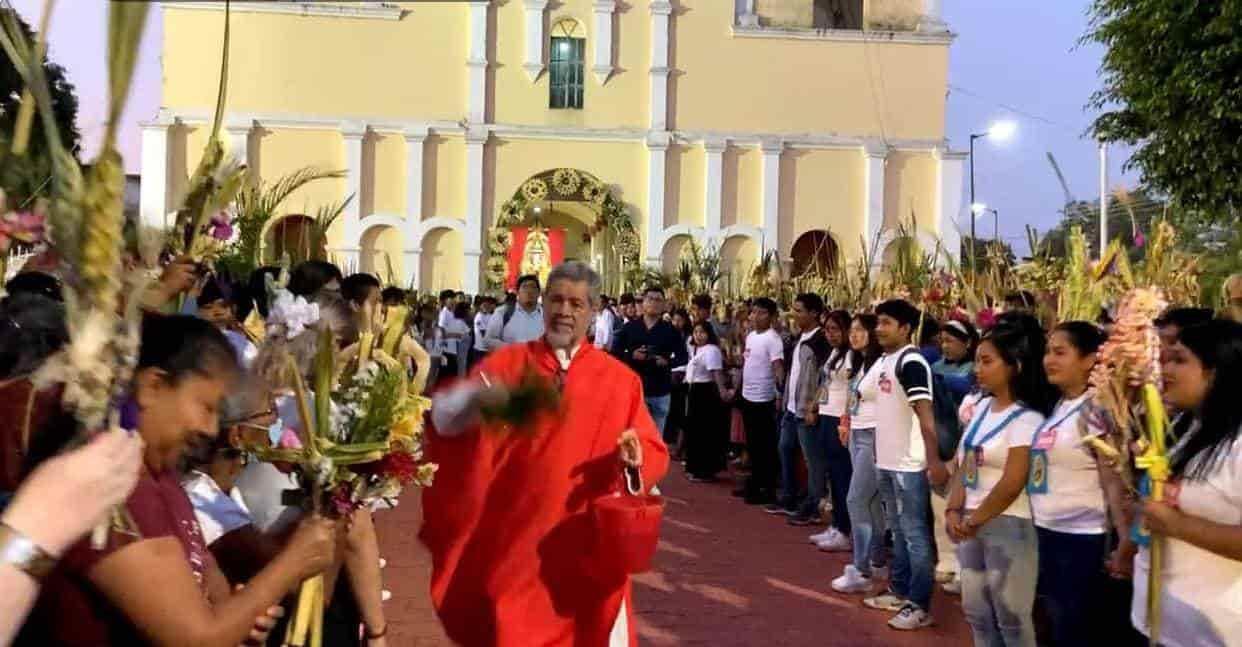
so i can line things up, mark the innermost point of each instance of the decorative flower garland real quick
(569, 185)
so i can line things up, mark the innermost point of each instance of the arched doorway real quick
(738, 256)
(596, 226)
(443, 261)
(814, 251)
(381, 254)
(298, 236)
(671, 255)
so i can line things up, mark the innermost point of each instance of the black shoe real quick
(779, 509)
(804, 519)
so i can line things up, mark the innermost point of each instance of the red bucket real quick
(627, 527)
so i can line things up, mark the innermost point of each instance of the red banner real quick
(556, 252)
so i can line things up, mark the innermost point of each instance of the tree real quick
(24, 177)
(1172, 84)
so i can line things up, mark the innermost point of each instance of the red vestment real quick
(507, 521)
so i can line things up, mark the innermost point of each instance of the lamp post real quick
(999, 132)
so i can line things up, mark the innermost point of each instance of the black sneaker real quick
(804, 519)
(777, 508)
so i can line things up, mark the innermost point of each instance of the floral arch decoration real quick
(612, 221)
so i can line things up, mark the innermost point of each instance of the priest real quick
(508, 521)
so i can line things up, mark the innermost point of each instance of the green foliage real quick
(28, 176)
(257, 204)
(1172, 77)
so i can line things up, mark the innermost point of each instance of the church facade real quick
(800, 126)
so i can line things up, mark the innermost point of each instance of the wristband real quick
(23, 554)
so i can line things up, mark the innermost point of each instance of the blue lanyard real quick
(970, 443)
(1050, 424)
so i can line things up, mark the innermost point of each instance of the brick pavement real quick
(726, 575)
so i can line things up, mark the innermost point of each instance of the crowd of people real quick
(928, 452)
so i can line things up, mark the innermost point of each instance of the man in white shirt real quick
(604, 322)
(521, 322)
(763, 372)
(487, 306)
(448, 299)
(907, 463)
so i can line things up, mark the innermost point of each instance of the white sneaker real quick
(835, 542)
(821, 536)
(886, 601)
(911, 618)
(852, 581)
(953, 586)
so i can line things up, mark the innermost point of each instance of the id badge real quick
(1038, 481)
(970, 468)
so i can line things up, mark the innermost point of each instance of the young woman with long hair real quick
(706, 432)
(1201, 516)
(988, 513)
(834, 395)
(863, 498)
(1072, 493)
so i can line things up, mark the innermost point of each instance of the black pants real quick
(676, 424)
(705, 435)
(759, 419)
(450, 366)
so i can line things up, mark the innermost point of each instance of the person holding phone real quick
(652, 347)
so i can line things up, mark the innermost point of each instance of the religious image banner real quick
(534, 250)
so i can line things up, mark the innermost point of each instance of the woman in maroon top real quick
(163, 587)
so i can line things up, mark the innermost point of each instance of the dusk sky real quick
(1014, 60)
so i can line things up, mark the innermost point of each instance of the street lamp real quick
(998, 132)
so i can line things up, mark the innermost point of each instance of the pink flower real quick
(341, 502)
(986, 318)
(289, 439)
(1139, 239)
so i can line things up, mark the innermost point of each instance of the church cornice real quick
(359, 10)
(845, 35)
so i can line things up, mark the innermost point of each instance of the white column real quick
(932, 19)
(657, 152)
(414, 141)
(713, 186)
(748, 17)
(153, 194)
(351, 219)
(603, 39)
(412, 268)
(535, 38)
(949, 178)
(475, 210)
(237, 136)
(661, 11)
(873, 197)
(771, 194)
(477, 62)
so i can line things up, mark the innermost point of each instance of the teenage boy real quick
(517, 322)
(763, 372)
(799, 417)
(651, 346)
(907, 462)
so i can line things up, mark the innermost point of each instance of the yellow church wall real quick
(620, 165)
(621, 102)
(685, 196)
(821, 189)
(387, 177)
(445, 159)
(910, 188)
(321, 64)
(284, 151)
(892, 14)
(381, 253)
(443, 261)
(743, 201)
(728, 83)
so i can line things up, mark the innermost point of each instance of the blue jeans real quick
(863, 501)
(1070, 578)
(906, 497)
(999, 567)
(791, 430)
(658, 406)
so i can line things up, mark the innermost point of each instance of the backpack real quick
(948, 426)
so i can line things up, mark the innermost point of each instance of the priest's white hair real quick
(577, 272)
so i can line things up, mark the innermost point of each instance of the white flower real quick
(293, 314)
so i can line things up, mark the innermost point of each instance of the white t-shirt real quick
(898, 438)
(1074, 500)
(218, 513)
(480, 330)
(862, 398)
(795, 372)
(455, 326)
(1202, 603)
(446, 315)
(991, 435)
(837, 394)
(703, 361)
(762, 350)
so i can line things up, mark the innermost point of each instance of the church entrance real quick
(558, 215)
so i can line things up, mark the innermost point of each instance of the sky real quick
(1013, 60)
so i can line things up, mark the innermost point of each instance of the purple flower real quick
(1139, 239)
(220, 227)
